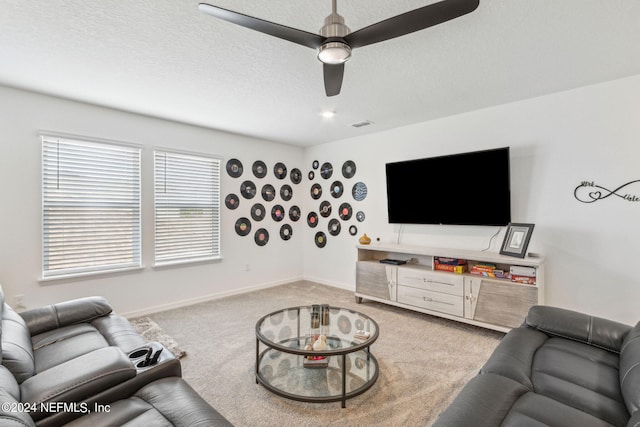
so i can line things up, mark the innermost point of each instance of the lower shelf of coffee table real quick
(284, 374)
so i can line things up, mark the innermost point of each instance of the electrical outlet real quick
(247, 267)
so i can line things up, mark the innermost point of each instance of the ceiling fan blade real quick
(333, 74)
(411, 21)
(281, 31)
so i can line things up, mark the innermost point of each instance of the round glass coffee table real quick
(316, 353)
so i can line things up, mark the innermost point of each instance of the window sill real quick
(184, 263)
(90, 274)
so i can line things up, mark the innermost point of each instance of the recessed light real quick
(328, 114)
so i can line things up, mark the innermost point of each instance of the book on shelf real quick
(527, 280)
(522, 271)
(459, 269)
(483, 267)
(449, 261)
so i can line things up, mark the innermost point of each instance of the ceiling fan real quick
(335, 41)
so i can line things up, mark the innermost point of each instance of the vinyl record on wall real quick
(286, 232)
(320, 239)
(243, 226)
(296, 176)
(248, 190)
(326, 170)
(312, 219)
(257, 212)
(334, 227)
(286, 192)
(234, 168)
(337, 189)
(360, 216)
(359, 191)
(259, 169)
(316, 191)
(231, 201)
(325, 209)
(348, 169)
(311, 175)
(261, 237)
(277, 213)
(294, 213)
(315, 164)
(353, 230)
(280, 170)
(345, 211)
(268, 192)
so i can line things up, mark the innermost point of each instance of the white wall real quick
(557, 141)
(24, 114)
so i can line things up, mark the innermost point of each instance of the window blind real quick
(187, 207)
(91, 206)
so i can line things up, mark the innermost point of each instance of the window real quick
(91, 206)
(187, 207)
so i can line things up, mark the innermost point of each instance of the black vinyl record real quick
(259, 169)
(234, 168)
(360, 216)
(231, 201)
(296, 176)
(345, 211)
(243, 226)
(353, 230)
(348, 169)
(257, 212)
(316, 191)
(294, 213)
(334, 227)
(315, 164)
(312, 219)
(359, 191)
(261, 237)
(337, 189)
(320, 239)
(248, 190)
(286, 232)
(311, 175)
(286, 192)
(268, 192)
(280, 170)
(277, 213)
(326, 170)
(325, 209)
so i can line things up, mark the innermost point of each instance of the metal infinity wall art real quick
(589, 192)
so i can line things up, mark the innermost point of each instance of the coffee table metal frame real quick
(284, 346)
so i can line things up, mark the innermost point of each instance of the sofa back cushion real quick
(630, 369)
(17, 350)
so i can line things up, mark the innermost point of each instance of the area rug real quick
(424, 360)
(151, 331)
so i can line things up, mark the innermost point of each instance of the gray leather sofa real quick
(560, 368)
(78, 362)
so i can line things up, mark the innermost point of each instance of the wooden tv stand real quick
(490, 302)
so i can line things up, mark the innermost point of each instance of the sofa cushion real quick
(581, 376)
(17, 353)
(630, 369)
(81, 310)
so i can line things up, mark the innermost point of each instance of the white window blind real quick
(187, 207)
(91, 206)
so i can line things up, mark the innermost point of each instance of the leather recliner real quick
(61, 362)
(560, 368)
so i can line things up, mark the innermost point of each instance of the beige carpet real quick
(424, 361)
(151, 331)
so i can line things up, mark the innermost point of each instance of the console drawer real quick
(437, 301)
(447, 283)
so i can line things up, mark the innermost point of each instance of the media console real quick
(491, 302)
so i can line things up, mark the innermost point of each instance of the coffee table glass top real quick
(291, 330)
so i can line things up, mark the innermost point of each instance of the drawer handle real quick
(427, 299)
(435, 281)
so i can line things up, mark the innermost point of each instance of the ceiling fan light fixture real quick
(334, 53)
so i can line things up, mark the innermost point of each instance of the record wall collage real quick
(334, 196)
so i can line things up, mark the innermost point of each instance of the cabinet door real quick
(499, 303)
(376, 280)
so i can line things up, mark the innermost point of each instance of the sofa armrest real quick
(77, 379)
(595, 331)
(81, 310)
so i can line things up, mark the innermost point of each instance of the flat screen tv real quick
(461, 189)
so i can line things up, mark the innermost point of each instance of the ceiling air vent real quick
(362, 124)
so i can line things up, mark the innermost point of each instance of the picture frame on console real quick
(516, 239)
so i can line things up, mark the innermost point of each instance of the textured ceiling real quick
(169, 60)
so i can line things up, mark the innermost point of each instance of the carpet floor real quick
(424, 361)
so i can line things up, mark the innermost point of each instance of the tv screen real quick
(462, 189)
